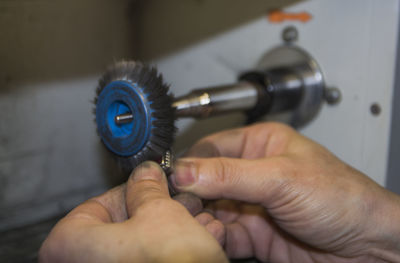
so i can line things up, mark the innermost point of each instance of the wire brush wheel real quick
(136, 89)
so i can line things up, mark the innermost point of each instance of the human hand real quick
(310, 206)
(135, 222)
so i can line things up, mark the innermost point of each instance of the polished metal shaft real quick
(123, 118)
(212, 101)
(202, 103)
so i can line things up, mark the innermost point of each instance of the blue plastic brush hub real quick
(120, 97)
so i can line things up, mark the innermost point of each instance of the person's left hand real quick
(135, 222)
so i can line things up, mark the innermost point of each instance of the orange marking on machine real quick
(279, 16)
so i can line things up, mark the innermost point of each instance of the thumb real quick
(254, 181)
(146, 183)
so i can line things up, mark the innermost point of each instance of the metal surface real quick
(375, 109)
(307, 72)
(167, 162)
(123, 118)
(118, 98)
(134, 117)
(217, 100)
(287, 79)
(333, 96)
(290, 34)
(393, 170)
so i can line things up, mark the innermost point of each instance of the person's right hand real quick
(307, 205)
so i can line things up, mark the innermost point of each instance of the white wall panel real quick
(355, 44)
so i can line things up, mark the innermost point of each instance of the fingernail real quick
(184, 173)
(147, 171)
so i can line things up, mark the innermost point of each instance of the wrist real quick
(385, 243)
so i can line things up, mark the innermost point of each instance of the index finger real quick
(260, 140)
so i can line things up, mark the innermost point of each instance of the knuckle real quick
(204, 148)
(272, 126)
(270, 132)
(147, 186)
(217, 229)
(148, 196)
(225, 172)
(158, 202)
(146, 193)
(220, 171)
(149, 206)
(284, 165)
(284, 169)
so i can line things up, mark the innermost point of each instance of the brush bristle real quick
(160, 101)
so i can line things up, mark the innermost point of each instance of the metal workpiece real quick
(333, 95)
(202, 103)
(286, 81)
(167, 162)
(296, 82)
(286, 87)
(135, 113)
(290, 34)
(123, 118)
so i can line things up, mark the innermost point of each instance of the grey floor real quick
(22, 245)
